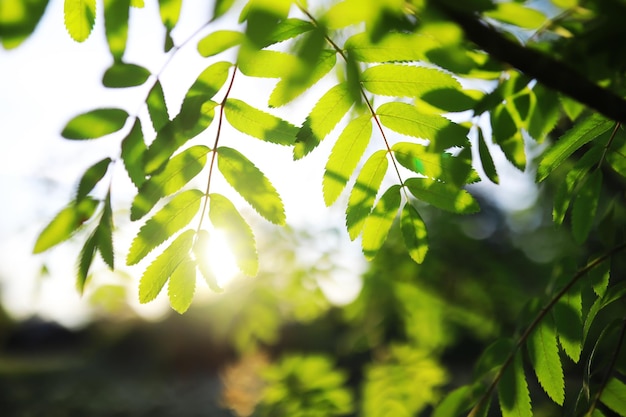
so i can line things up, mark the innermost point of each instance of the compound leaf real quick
(171, 218)
(392, 47)
(156, 274)
(486, 159)
(80, 16)
(259, 124)
(442, 195)
(177, 172)
(95, 124)
(239, 236)
(414, 233)
(405, 80)
(436, 165)
(543, 350)
(182, 285)
(345, 156)
(91, 177)
(251, 184)
(380, 220)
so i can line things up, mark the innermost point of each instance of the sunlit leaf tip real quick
(95, 124)
(80, 16)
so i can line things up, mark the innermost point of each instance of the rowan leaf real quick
(508, 136)
(392, 47)
(614, 396)
(239, 236)
(405, 80)
(259, 124)
(157, 108)
(517, 14)
(380, 220)
(442, 195)
(546, 113)
(452, 99)
(486, 159)
(407, 120)
(513, 391)
(105, 234)
(182, 285)
(18, 20)
(175, 215)
(95, 123)
(178, 171)
(289, 29)
(200, 252)
(85, 259)
(543, 350)
(122, 75)
(219, 41)
(265, 63)
(157, 273)
(364, 192)
(80, 16)
(345, 156)
(585, 206)
(133, 151)
(324, 116)
(65, 223)
(170, 12)
(208, 83)
(221, 7)
(91, 177)
(414, 233)
(582, 133)
(568, 318)
(251, 184)
(116, 26)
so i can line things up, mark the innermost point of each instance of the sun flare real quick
(221, 260)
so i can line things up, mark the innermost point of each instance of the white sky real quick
(50, 78)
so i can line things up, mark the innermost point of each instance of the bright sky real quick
(50, 78)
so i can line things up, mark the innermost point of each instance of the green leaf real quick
(508, 136)
(452, 99)
(518, 15)
(221, 7)
(91, 177)
(545, 114)
(171, 218)
(85, 259)
(297, 81)
(170, 12)
(442, 195)
(324, 116)
(405, 80)
(513, 391)
(380, 220)
(259, 124)
(122, 75)
(407, 120)
(568, 317)
(95, 124)
(486, 160)
(585, 206)
(65, 223)
(156, 274)
(219, 41)
(200, 252)
(105, 234)
(18, 20)
(363, 194)
(345, 156)
(582, 133)
(177, 172)
(265, 63)
(182, 285)
(599, 278)
(392, 47)
(614, 396)
(80, 16)
(157, 107)
(414, 233)
(289, 29)
(251, 184)
(133, 151)
(116, 26)
(209, 82)
(543, 350)
(239, 237)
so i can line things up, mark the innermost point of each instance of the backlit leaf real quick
(208, 83)
(239, 237)
(407, 120)
(585, 206)
(543, 350)
(116, 26)
(219, 41)
(288, 29)
(414, 233)
(405, 80)
(345, 156)
(251, 184)
(200, 252)
(65, 223)
(18, 20)
(177, 172)
(517, 14)
(364, 192)
(568, 317)
(392, 47)
(442, 195)
(582, 133)
(614, 396)
(456, 402)
(133, 151)
(170, 12)
(182, 285)
(220, 7)
(121, 75)
(546, 113)
(91, 177)
(508, 136)
(324, 116)
(157, 108)
(157, 273)
(259, 124)
(85, 259)
(95, 124)
(80, 16)
(436, 165)
(486, 159)
(513, 391)
(452, 99)
(380, 220)
(171, 218)
(105, 234)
